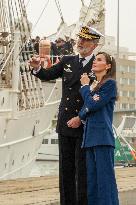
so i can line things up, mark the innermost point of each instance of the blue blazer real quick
(98, 115)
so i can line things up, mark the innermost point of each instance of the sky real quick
(50, 19)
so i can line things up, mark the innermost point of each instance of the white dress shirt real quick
(87, 59)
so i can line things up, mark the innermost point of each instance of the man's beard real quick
(83, 50)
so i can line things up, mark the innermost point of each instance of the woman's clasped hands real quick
(84, 79)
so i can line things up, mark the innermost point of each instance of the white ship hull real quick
(21, 134)
(49, 149)
(27, 105)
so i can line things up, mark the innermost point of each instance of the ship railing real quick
(31, 94)
(127, 123)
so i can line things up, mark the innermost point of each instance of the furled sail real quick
(92, 15)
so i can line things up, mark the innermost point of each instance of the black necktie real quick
(81, 62)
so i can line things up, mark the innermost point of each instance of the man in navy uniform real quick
(72, 168)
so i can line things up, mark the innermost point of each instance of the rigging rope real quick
(21, 15)
(87, 11)
(18, 23)
(27, 3)
(46, 4)
(5, 16)
(2, 14)
(12, 12)
(16, 15)
(10, 15)
(23, 44)
(25, 15)
(82, 3)
(59, 9)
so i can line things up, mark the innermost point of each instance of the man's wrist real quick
(36, 70)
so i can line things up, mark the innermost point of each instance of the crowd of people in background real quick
(59, 47)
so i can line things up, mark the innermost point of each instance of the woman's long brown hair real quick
(111, 72)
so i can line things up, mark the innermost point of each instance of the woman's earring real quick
(108, 68)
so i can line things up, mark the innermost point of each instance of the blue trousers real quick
(101, 182)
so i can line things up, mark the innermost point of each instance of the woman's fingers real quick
(96, 97)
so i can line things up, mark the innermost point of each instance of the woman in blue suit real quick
(98, 138)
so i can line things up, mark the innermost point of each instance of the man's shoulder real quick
(69, 58)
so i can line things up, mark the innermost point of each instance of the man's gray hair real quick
(95, 41)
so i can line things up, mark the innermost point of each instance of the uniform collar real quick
(87, 58)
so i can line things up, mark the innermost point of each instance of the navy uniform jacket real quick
(71, 102)
(98, 115)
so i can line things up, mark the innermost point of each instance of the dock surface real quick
(45, 190)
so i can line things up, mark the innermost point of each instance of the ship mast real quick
(14, 31)
(61, 31)
(83, 3)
